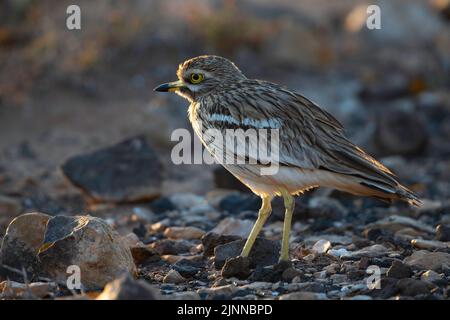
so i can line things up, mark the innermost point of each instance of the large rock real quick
(45, 246)
(126, 288)
(87, 242)
(127, 171)
(264, 252)
(20, 246)
(427, 260)
(211, 240)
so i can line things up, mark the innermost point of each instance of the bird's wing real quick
(310, 137)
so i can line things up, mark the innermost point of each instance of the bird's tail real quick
(392, 192)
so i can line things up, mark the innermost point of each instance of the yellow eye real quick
(196, 78)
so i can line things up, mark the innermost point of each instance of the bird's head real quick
(202, 76)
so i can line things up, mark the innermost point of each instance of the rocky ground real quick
(86, 178)
(183, 246)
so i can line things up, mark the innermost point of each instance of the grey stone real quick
(127, 171)
(399, 270)
(427, 260)
(443, 232)
(127, 288)
(413, 287)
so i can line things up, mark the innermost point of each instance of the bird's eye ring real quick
(196, 78)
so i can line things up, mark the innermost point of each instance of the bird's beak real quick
(170, 87)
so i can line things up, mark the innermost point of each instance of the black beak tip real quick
(162, 88)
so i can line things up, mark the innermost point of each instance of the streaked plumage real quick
(313, 149)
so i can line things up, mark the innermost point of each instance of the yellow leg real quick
(263, 214)
(289, 205)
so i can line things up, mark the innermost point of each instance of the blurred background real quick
(69, 92)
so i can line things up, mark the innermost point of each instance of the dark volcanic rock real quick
(167, 246)
(238, 267)
(388, 288)
(127, 171)
(426, 260)
(399, 270)
(127, 288)
(272, 273)
(212, 240)
(264, 252)
(188, 268)
(144, 255)
(443, 232)
(413, 287)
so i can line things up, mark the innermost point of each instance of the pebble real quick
(332, 268)
(187, 233)
(234, 227)
(174, 277)
(431, 276)
(172, 259)
(127, 288)
(321, 247)
(159, 226)
(12, 289)
(375, 250)
(167, 246)
(429, 244)
(222, 292)
(257, 285)
(361, 297)
(238, 267)
(184, 295)
(443, 232)
(399, 270)
(144, 255)
(394, 223)
(339, 253)
(303, 295)
(427, 260)
(188, 267)
(290, 273)
(338, 278)
(413, 287)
